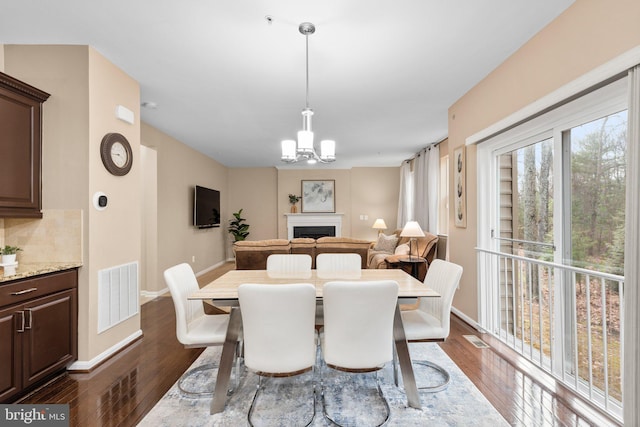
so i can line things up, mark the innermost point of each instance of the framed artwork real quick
(460, 188)
(318, 196)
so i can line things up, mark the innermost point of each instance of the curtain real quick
(405, 196)
(631, 337)
(426, 183)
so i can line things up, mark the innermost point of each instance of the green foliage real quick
(293, 199)
(598, 170)
(9, 250)
(237, 227)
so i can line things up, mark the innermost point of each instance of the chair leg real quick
(380, 394)
(260, 387)
(188, 374)
(439, 369)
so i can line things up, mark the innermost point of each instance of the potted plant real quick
(9, 254)
(293, 199)
(238, 228)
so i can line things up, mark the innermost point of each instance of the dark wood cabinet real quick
(38, 330)
(20, 148)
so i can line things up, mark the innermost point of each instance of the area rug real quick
(351, 399)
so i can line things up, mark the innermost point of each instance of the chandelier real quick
(303, 150)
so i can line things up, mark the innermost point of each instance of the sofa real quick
(252, 255)
(388, 249)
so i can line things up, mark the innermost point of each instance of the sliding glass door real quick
(551, 241)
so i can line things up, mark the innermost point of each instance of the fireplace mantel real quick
(316, 219)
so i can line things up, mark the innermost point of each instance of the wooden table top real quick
(226, 286)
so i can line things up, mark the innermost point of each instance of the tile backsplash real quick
(57, 237)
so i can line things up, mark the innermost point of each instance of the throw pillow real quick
(386, 243)
(402, 249)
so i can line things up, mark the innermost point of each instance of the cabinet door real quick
(10, 349)
(20, 148)
(50, 335)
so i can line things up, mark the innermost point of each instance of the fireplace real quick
(306, 221)
(314, 232)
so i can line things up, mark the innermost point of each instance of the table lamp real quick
(379, 225)
(412, 230)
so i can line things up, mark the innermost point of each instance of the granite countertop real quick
(22, 271)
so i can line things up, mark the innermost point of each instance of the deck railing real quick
(566, 320)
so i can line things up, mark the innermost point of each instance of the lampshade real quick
(305, 141)
(379, 224)
(288, 149)
(412, 229)
(328, 149)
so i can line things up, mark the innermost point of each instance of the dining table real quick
(223, 291)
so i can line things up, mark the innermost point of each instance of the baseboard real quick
(88, 365)
(153, 294)
(475, 325)
(213, 267)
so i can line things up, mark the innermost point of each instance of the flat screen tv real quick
(206, 207)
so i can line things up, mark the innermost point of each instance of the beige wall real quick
(585, 36)
(150, 280)
(358, 191)
(289, 181)
(254, 191)
(180, 168)
(263, 194)
(114, 234)
(85, 88)
(374, 193)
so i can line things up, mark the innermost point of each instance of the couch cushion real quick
(343, 245)
(303, 242)
(305, 245)
(346, 242)
(386, 243)
(402, 249)
(258, 245)
(253, 254)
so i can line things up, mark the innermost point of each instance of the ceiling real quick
(231, 84)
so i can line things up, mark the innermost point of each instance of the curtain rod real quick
(428, 147)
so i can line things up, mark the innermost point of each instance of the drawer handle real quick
(25, 291)
(21, 328)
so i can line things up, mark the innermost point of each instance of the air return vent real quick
(476, 341)
(118, 295)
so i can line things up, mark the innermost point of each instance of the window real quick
(595, 179)
(551, 231)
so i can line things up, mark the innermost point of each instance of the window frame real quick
(601, 102)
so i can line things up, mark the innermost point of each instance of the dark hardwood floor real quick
(123, 389)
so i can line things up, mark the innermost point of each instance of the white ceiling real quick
(231, 85)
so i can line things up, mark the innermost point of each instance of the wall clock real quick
(116, 154)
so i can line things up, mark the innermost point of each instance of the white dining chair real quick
(332, 265)
(430, 321)
(279, 332)
(288, 263)
(358, 337)
(338, 262)
(194, 328)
